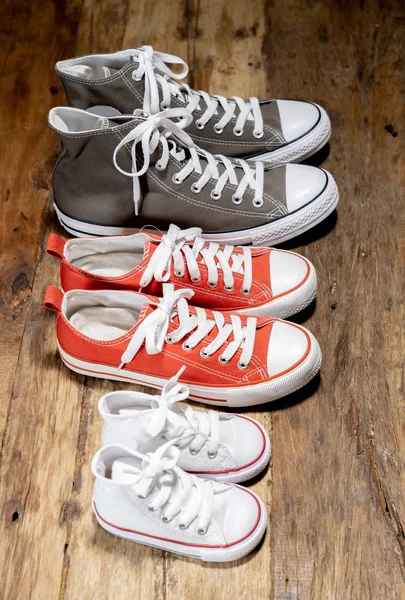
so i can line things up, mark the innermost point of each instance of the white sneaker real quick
(149, 499)
(220, 446)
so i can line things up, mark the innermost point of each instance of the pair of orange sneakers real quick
(137, 308)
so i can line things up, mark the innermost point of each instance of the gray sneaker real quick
(116, 175)
(273, 131)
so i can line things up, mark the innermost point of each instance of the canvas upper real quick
(141, 78)
(222, 446)
(230, 359)
(117, 175)
(262, 281)
(151, 500)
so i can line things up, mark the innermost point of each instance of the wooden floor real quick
(336, 486)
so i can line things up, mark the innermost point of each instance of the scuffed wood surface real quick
(335, 489)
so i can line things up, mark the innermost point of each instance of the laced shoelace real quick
(192, 499)
(174, 420)
(161, 85)
(157, 129)
(175, 252)
(153, 330)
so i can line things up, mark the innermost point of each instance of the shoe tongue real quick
(124, 472)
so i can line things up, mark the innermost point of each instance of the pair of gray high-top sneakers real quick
(139, 148)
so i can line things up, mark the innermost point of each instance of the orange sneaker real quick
(252, 281)
(231, 360)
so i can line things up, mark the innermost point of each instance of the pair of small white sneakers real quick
(166, 475)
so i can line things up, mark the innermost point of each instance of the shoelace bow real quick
(152, 66)
(175, 252)
(153, 330)
(183, 425)
(192, 498)
(159, 128)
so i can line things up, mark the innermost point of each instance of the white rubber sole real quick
(288, 305)
(270, 234)
(238, 396)
(248, 472)
(205, 554)
(302, 148)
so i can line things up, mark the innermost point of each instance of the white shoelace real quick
(174, 251)
(160, 80)
(174, 420)
(180, 493)
(158, 128)
(153, 330)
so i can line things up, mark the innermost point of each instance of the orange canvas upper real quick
(200, 370)
(215, 298)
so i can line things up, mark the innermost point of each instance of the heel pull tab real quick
(55, 245)
(53, 298)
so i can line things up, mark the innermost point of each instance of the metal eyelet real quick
(245, 291)
(178, 274)
(203, 353)
(141, 496)
(159, 167)
(186, 347)
(212, 455)
(192, 451)
(222, 360)
(169, 339)
(229, 289)
(212, 285)
(215, 195)
(183, 526)
(258, 134)
(195, 188)
(164, 106)
(199, 125)
(195, 279)
(151, 508)
(165, 519)
(258, 203)
(202, 531)
(217, 129)
(176, 179)
(242, 366)
(237, 132)
(136, 78)
(236, 199)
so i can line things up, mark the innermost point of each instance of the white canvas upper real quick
(221, 446)
(151, 500)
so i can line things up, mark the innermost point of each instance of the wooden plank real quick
(338, 458)
(33, 416)
(33, 35)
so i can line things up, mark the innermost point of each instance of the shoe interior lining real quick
(103, 316)
(104, 322)
(121, 401)
(95, 67)
(110, 456)
(107, 258)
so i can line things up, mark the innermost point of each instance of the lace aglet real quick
(121, 366)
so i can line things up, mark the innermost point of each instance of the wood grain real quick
(335, 489)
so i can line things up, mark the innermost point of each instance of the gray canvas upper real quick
(88, 187)
(108, 80)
